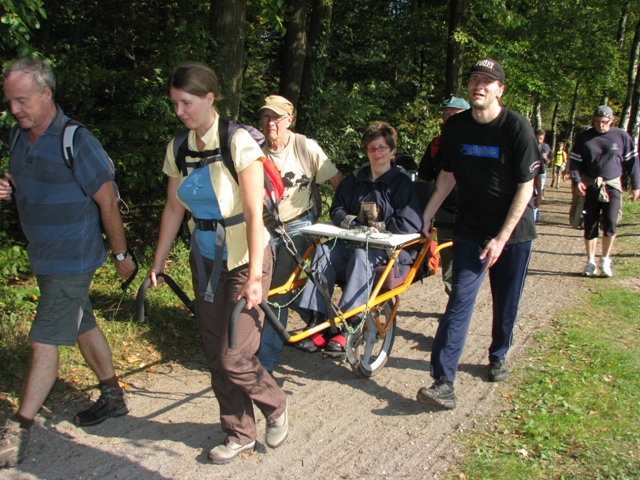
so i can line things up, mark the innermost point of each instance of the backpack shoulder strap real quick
(14, 135)
(226, 131)
(68, 137)
(300, 146)
(180, 148)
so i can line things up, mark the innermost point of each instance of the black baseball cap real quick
(490, 68)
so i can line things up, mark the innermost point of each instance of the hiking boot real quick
(498, 371)
(278, 429)
(589, 269)
(13, 443)
(228, 451)
(112, 403)
(440, 394)
(605, 267)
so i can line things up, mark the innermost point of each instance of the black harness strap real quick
(207, 288)
(202, 163)
(208, 157)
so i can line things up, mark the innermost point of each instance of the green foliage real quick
(13, 260)
(17, 21)
(384, 60)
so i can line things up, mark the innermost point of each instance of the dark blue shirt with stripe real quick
(604, 155)
(57, 212)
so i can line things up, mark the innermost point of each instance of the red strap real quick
(319, 340)
(340, 339)
(435, 144)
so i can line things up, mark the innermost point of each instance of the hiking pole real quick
(235, 313)
(190, 304)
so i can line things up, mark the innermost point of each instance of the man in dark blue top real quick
(597, 161)
(541, 181)
(61, 210)
(491, 154)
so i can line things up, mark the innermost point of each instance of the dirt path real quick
(342, 426)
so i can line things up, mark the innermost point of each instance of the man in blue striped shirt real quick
(61, 210)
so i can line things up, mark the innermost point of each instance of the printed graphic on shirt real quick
(290, 179)
(534, 165)
(481, 151)
(193, 184)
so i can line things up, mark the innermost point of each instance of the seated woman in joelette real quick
(381, 197)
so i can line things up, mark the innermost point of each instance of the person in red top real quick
(428, 172)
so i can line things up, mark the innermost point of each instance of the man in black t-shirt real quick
(597, 161)
(491, 154)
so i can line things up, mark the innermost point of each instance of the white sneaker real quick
(278, 429)
(589, 269)
(228, 451)
(605, 267)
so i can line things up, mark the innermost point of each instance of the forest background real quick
(342, 64)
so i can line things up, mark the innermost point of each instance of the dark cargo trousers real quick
(237, 378)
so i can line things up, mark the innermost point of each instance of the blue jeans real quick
(506, 278)
(271, 343)
(329, 261)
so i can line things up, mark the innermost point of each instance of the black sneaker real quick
(112, 403)
(13, 443)
(498, 371)
(440, 394)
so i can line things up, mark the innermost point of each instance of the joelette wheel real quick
(370, 348)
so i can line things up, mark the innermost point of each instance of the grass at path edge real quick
(572, 406)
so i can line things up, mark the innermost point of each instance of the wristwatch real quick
(120, 256)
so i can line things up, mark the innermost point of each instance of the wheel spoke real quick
(371, 350)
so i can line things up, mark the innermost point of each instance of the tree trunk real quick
(294, 49)
(634, 125)
(458, 17)
(631, 79)
(537, 114)
(572, 116)
(554, 127)
(622, 22)
(312, 78)
(227, 26)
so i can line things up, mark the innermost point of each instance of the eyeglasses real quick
(271, 118)
(380, 149)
